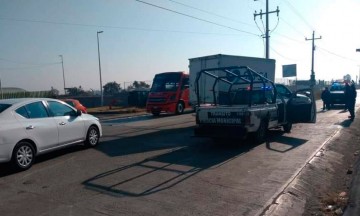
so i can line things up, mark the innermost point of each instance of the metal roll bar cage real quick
(246, 76)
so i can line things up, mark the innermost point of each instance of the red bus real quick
(169, 93)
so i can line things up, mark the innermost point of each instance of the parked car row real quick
(33, 126)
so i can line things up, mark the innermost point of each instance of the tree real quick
(54, 92)
(137, 85)
(74, 91)
(111, 88)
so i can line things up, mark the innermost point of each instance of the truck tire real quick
(180, 108)
(261, 134)
(287, 127)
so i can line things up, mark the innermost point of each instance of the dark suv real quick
(337, 93)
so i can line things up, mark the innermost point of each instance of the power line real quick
(293, 60)
(337, 55)
(113, 27)
(298, 14)
(211, 13)
(291, 26)
(289, 38)
(193, 17)
(271, 31)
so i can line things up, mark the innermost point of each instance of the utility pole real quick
(267, 36)
(312, 76)
(62, 64)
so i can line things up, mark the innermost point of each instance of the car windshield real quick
(4, 107)
(166, 82)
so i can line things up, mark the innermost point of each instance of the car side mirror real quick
(78, 113)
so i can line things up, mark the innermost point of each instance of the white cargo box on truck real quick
(266, 67)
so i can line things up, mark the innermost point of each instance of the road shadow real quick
(178, 163)
(162, 139)
(346, 123)
(279, 136)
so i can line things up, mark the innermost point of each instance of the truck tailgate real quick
(221, 115)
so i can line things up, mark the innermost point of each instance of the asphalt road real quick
(154, 166)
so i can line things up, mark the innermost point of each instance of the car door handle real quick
(30, 127)
(62, 123)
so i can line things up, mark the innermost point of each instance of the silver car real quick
(33, 126)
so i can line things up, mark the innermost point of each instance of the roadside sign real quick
(289, 70)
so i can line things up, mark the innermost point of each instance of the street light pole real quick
(62, 64)
(101, 88)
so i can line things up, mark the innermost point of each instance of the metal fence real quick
(25, 94)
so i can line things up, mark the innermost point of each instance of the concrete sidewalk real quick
(329, 184)
(353, 208)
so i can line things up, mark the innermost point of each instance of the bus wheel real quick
(179, 107)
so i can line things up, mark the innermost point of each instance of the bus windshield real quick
(167, 82)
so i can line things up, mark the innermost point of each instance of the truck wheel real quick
(287, 127)
(261, 134)
(180, 108)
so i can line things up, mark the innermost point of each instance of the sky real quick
(143, 37)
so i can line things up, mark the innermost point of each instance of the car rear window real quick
(4, 107)
(337, 87)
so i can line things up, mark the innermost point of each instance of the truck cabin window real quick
(166, 83)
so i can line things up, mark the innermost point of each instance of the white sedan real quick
(33, 126)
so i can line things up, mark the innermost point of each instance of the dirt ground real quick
(325, 183)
